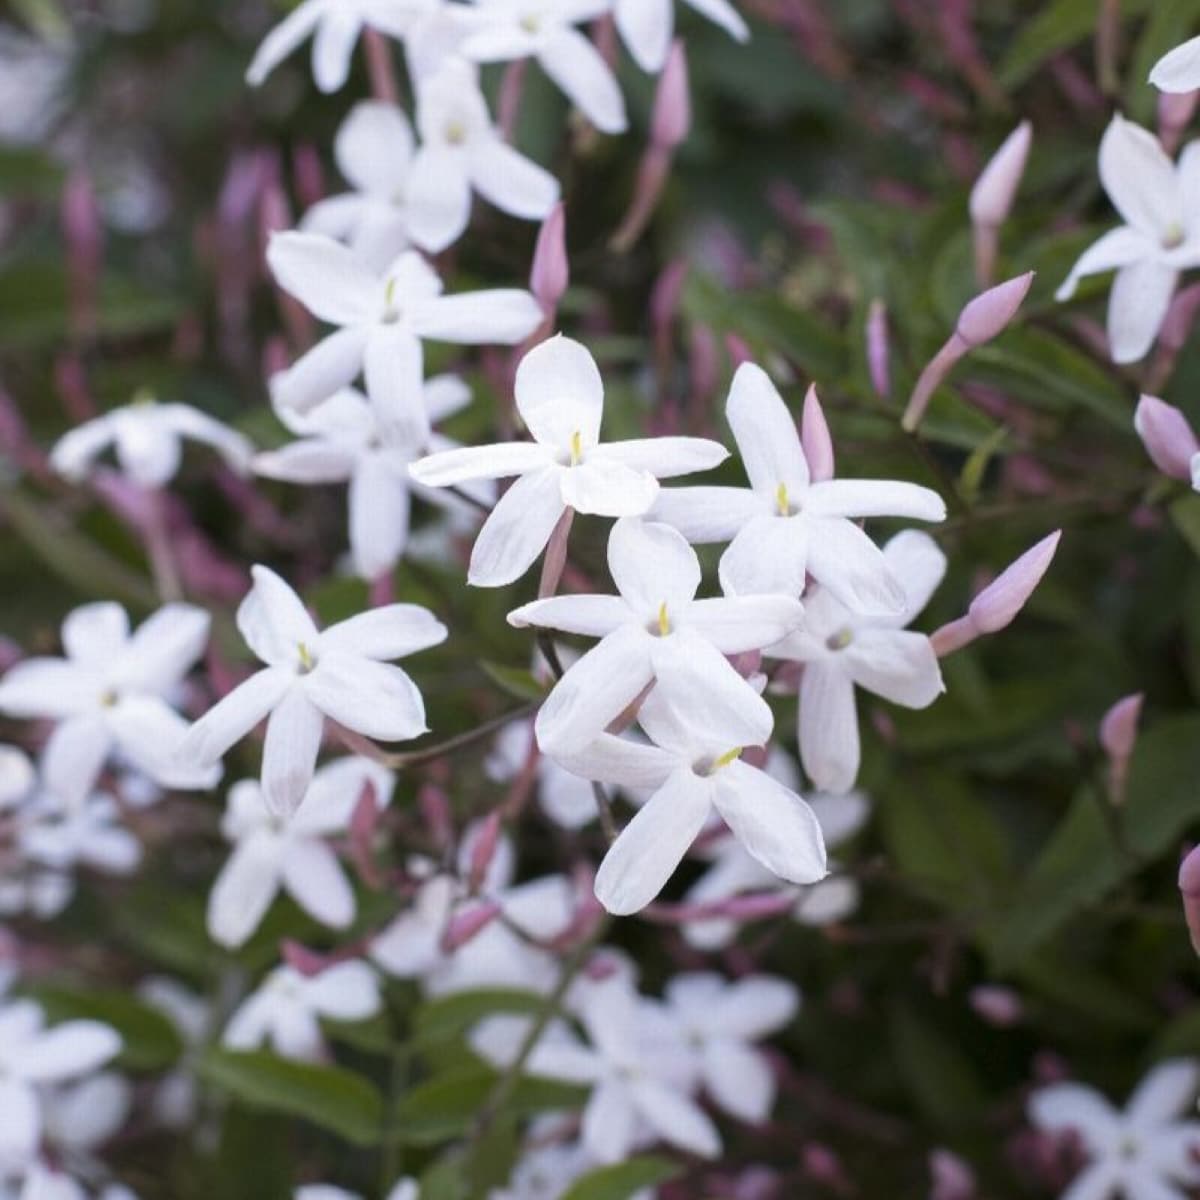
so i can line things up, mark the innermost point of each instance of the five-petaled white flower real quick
(286, 1010)
(647, 26)
(31, 1056)
(110, 695)
(545, 30)
(657, 632)
(335, 27)
(273, 853)
(639, 1070)
(691, 771)
(560, 397)
(1148, 1152)
(842, 650)
(720, 1021)
(347, 438)
(87, 834)
(382, 319)
(1160, 237)
(1178, 71)
(343, 673)
(147, 438)
(461, 150)
(784, 525)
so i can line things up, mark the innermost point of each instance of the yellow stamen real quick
(728, 757)
(664, 621)
(781, 499)
(144, 397)
(576, 448)
(306, 659)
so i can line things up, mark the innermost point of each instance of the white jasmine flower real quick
(349, 439)
(692, 772)
(17, 778)
(110, 695)
(286, 1011)
(1160, 237)
(148, 440)
(32, 1056)
(335, 27)
(568, 800)
(88, 834)
(1178, 71)
(656, 631)
(462, 151)
(734, 872)
(560, 396)
(176, 1096)
(783, 526)
(405, 1189)
(39, 894)
(290, 853)
(638, 1068)
(1147, 1152)
(82, 1115)
(546, 31)
(721, 1021)
(842, 650)
(382, 319)
(647, 26)
(342, 673)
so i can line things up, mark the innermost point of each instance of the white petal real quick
(337, 216)
(498, 461)
(581, 72)
(1117, 248)
(70, 1049)
(335, 793)
(1064, 1106)
(768, 555)
(290, 751)
(316, 881)
(21, 1129)
(766, 434)
(608, 489)
(393, 364)
(445, 395)
(645, 27)
(330, 365)
(591, 616)
(608, 1123)
(707, 514)
(439, 197)
(1178, 70)
(149, 734)
(504, 316)
(244, 889)
(745, 622)
(231, 718)
(874, 498)
(394, 631)
(541, 909)
(773, 823)
(73, 758)
(829, 745)
(513, 183)
(898, 665)
(595, 690)
(47, 687)
(517, 529)
(95, 633)
(190, 422)
(373, 148)
(283, 39)
(560, 394)
(722, 13)
(17, 778)
(348, 991)
(918, 562)
(313, 460)
(841, 817)
(755, 1007)
(147, 450)
(647, 851)
(375, 699)
(330, 281)
(664, 457)
(739, 1079)
(1139, 177)
(1164, 1094)
(75, 452)
(274, 621)
(845, 560)
(652, 565)
(675, 1118)
(620, 761)
(333, 48)
(1137, 306)
(164, 647)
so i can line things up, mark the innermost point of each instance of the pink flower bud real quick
(1189, 888)
(308, 174)
(1006, 595)
(665, 297)
(300, 958)
(989, 313)
(483, 849)
(1175, 111)
(1119, 727)
(996, 188)
(878, 349)
(999, 1006)
(551, 271)
(672, 117)
(816, 439)
(739, 351)
(364, 821)
(1167, 436)
(468, 924)
(952, 1178)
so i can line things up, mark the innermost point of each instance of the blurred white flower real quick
(110, 695)
(647, 26)
(560, 397)
(286, 1010)
(1178, 70)
(88, 834)
(176, 1094)
(342, 673)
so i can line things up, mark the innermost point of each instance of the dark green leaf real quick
(622, 1180)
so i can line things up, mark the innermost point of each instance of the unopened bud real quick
(1167, 436)
(878, 349)
(951, 1176)
(815, 438)
(1189, 889)
(1175, 111)
(999, 602)
(996, 188)
(989, 314)
(999, 1006)
(672, 117)
(1118, 736)
(551, 271)
(483, 849)
(469, 924)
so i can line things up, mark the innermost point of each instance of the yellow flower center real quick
(781, 500)
(576, 448)
(307, 662)
(664, 621)
(726, 758)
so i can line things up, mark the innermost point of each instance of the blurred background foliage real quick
(828, 168)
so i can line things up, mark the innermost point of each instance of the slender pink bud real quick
(550, 274)
(1175, 111)
(664, 301)
(739, 351)
(879, 349)
(512, 88)
(1118, 736)
(822, 1165)
(468, 924)
(364, 822)
(999, 602)
(999, 1006)
(483, 849)
(1189, 888)
(982, 319)
(951, 1176)
(1167, 436)
(84, 236)
(993, 195)
(300, 958)
(308, 174)
(672, 118)
(381, 67)
(816, 439)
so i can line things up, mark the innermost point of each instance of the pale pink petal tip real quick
(990, 312)
(1167, 436)
(1006, 595)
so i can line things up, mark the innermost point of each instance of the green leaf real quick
(451, 1016)
(1170, 23)
(1185, 515)
(941, 1078)
(150, 1041)
(970, 481)
(448, 1105)
(516, 681)
(331, 1097)
(622, 1180)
